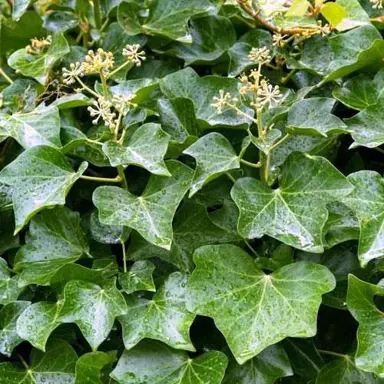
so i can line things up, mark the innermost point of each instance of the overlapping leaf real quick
(138, 278)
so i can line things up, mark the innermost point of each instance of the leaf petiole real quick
(117, 179)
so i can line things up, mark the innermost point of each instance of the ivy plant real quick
(191, 192)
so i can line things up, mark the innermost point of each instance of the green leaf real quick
(177, 117)
(90, 367)
(251, 309)
(201, 90)
(214, 156)
(361, 303)
(55, 238)
(72, 101)
(39, 127)
(367, 126)
(41, 177)
(313, 116)
(9, 288)
(360, 92)
(267, 367)
(164, 317)
(7, 239)
(39, 66)
(138, 278)
(9, 339)
(295, 213)
(154, 362)
(151, 213)
(19, 7)
(146, 148)
(344, 371)
(93, 308)
(366, 201)
(212, 36)
(37, 322)
(166, 18)
(344, 53)
(56, 366)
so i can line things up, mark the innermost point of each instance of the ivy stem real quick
(285, 79)
(119, 68)
(118, 123)
(93, 93)
(240, 112)
(6, 77)
(267, 167)
(249, 164)
(104, 84)
(230, 177)
(123, 180)
(26, 366)
(251, 249)
(281, 141)
(117, 179)
(105, 24)
(330, 353)
(379, 149)
(124, 256)
(97, 13)
(94, 142)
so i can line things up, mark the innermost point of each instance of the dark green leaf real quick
(89, 367)
(138, 278)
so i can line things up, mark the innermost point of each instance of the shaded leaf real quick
(89, 367)
(138, 278)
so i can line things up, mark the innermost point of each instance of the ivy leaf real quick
(214, 155)
(55, 238)
(251, 309)
(201, 90)
(7, 239)
(39, 127)
(360, 92)
(57, 365)
(313, 116)
(9, 288)
(151, 213)
(367, 126)
(39, 66)
(138, 278)
(177, 117)
(344, 371)
(41, 177)
(155, 362)
(166, 18)
(367, 201)
(163, 318)
(212, 36)
(90, 366)
(361, 303)
(295, 213)
(19, 7)
(146, 148)
(93, 308)
(37, 322)
(72, 101)
(9, 339)
(266, 368)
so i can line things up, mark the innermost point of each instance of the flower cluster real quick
(133, 55)
(260, 55)
(267, 94)
(98, 62)
(224, 100)
(102, 110)
(123, 103)
(37, 46)
(377, 4)
(75, 70)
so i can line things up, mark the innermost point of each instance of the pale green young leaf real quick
(251, 309)
(89, 367)
(367, 202)
(313, 116)
(361, 303)
(150, 214)
(138, 278)
(41, 177)
(295, 213)
(9, 339)
(266, 368)
(154, 362)
(56, 366)
(93, 308)
(39, 66)
(55, 238)
(39, 127)
(214, 155)
(145, 148)
(201, 90)
(164, 317)
(168, 18)
(37, 322)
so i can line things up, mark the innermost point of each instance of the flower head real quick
(377, 4)
(100, 61)
(131, 52)
(223, 100)
(102, 110)
(37, 46)
(268, 94)
(260, 55)
(279, 40)
(75, 70)
(123, 103)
